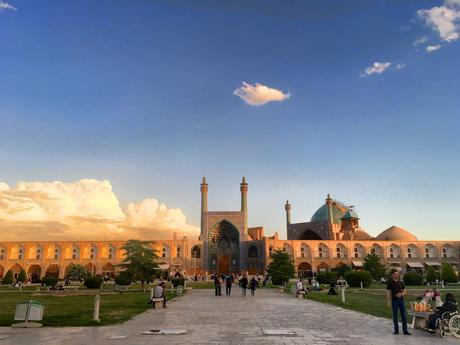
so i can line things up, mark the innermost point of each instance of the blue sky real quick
(141, 93)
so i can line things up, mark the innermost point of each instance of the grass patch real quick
(78, 310)
(369, 301)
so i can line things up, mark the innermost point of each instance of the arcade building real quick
(332, 237)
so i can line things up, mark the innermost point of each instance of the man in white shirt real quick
(160, 293)
(299, 287)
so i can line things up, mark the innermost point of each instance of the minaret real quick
(330, 216)
(287, 207)
(244, 204)
(204, 205)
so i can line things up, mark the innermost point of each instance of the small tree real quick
(281, 268)
(8, 279)
(412, 278)
(341, 269)
(373, 265)
(448, 273)
(76, 272)
(139, 261)
(431, 274)
(22, 277)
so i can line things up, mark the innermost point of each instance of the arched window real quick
(111, 252)
(287, 248)
(270, 251)
(412, 252)
(341, 251)
(93, 252)
(394, 252)
(323, 251)
(75, 252)
(303, 251)
(165, 252)
(252, 251)
(20, 253)
(196, 252)
(178, 251)
(359, 251)
(2, 253)
(38, 253)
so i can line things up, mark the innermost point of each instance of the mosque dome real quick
(338, 211)
(361, 235)
(395, 233)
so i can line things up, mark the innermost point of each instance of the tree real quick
(431, 274)
(8, 279)
(139, 261)
(341, 269)
(412, 278)
(76, 273)
(373, 265)
(281, 268)
(448, 274)
(22, 277)
(355, 278)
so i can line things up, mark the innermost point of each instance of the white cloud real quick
(376, 68)
(400, 66)
(431, 49)
(259, 94)
(444, 19)
(86, 209)
(6, 6)
(420, 41)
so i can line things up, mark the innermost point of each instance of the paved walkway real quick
(233, 320)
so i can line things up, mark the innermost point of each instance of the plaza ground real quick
(233, 320)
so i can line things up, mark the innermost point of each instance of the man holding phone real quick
(395, 299)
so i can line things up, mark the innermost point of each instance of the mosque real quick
(331, 238)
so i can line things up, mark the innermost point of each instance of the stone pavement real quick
(233, 320)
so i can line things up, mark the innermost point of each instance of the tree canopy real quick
(139, 261)
(281, 268)
(374, 266)
(76, 272)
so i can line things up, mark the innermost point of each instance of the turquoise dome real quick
(338, 211)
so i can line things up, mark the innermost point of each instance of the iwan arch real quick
(226, 244)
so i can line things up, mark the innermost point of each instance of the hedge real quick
(326, 277)
(94, 282)
(354, 278)
(413, 278)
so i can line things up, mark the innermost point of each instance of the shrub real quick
(22, 277)
(76, 272)
(93, 282)
(354, 278)
(178, 281)
(326, 277)
(412, 278)
(50, 281)
(123, 279)
(8, 279)
(431, 274)
(448, 273)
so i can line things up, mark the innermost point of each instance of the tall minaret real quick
(330, 216)
(244, 204)
(287, 207)
(204, 205)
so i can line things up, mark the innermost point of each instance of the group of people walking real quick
(244, 282)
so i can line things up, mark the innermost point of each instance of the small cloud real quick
(380, 67)
(6, 6)
(431, 49)
(259, 94)
(420, 41)
(444, 19)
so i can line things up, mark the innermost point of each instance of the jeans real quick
(217, 290)
(398, 304)
(243, 291)
(228, 289)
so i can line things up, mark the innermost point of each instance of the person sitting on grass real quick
(450, 305)
(332, 291)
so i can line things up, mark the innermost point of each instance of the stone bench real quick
(419, 318)
(155, 300)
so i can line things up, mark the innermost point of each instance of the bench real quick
(156, 299)
(301, 294)
(419, 318)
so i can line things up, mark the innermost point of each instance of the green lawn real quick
(369, 301)
(78, 310)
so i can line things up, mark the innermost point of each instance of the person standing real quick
(217, 285)
(253, 285)
(228, 284)
(244, 285)
(395, 299)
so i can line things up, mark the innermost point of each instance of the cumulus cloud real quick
(6, 6)
(444, 19)
(86, 209)
(259, 94)
(376, 68)
(431, 49)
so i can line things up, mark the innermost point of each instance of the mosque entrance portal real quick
(224, 248)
